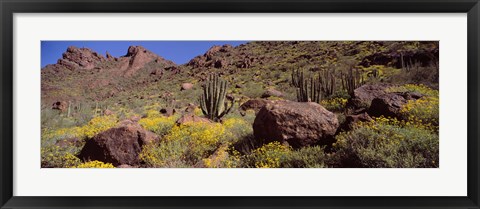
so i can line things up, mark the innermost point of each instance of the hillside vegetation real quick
(260, 104)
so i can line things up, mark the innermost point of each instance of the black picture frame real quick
(9, 7)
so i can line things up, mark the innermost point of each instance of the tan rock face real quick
(191, 118)
(298, 123)
(139, 56)
(119, 145)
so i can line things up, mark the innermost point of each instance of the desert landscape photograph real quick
(239, 104)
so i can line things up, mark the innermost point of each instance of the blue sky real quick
(179, 52)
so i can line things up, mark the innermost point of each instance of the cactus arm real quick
(227, 109)
(203, 105)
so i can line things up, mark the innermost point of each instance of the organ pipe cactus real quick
(309, 91)
(297, 75)
(352, 80)
(212, 101)
(328, 82)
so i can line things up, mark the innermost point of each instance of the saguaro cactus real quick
(212, 102)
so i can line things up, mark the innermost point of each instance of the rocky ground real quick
(282, 104)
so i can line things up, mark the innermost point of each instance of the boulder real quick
(388, 105)
(272, 93)
(60, 105)
(168, 111)
(108, 112)
(190, 108)
(351, 120)
(297, 123)
(118, 145)
(191, 118)
(186, 86)
(253, 104)
(364, 95)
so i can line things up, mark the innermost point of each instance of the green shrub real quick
(276, 155)
(307, 157)
(387, 143)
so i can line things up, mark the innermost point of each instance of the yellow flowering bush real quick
(184, 145)
(99, 124)
(270, 155)
(201, 134)
(224, 157)
(60, 157)
(93, 127)
(424, 110)
(387, 142)
(151, 113)
(334, 104)
(157, 123)
(57, 157)
(94, 164)
(419, 88)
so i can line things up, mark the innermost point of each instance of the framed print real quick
(266, 104)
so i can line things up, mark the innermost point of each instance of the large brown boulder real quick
(390, 104)
(119, 145)
(364, 95)
(298, 123)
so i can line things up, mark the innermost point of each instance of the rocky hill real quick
(84, 75)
